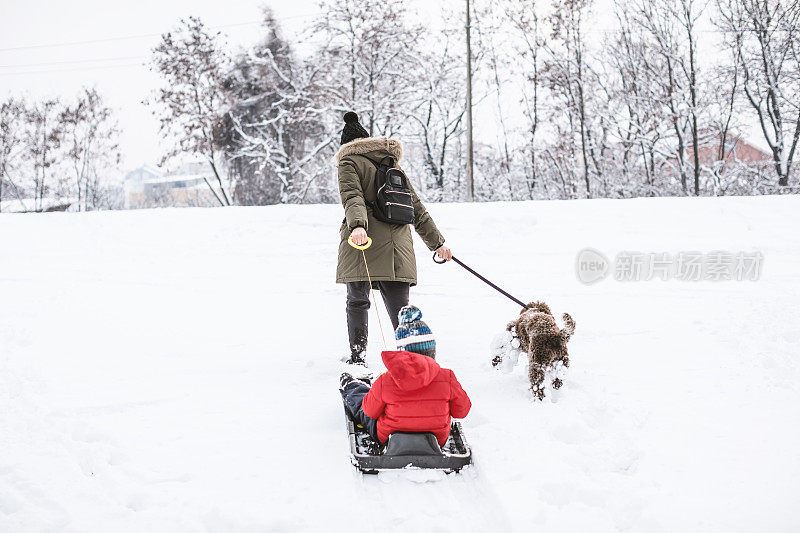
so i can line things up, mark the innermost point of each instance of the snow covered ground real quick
(177, 370)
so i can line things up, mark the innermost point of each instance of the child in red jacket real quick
(415, 394)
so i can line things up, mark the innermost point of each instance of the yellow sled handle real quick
(357, 246)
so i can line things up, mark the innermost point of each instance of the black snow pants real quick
(353, 394)
(395, 297)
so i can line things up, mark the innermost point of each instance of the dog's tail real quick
(569, 327)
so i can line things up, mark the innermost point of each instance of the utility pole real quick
(470, 182)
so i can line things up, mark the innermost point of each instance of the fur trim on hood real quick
(369, 144)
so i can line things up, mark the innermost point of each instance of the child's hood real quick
(409, 370)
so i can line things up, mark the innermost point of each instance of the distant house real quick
(739, 154)
(133, 186)
(186, 186)
(736, 150)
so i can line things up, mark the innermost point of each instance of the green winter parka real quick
(391, 256)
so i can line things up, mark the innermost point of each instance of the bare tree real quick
(569, 78)
(671, 31)
(639, 83)
(42, 138)
(12, 116)
(368, 50)
(641, 114)
(439, 111)
(765, 36)
(491, 43)
(192, 62)
(523, 18)
(90, 138)
(724, 106)
(688, 13)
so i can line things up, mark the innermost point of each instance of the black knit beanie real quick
(352, 129)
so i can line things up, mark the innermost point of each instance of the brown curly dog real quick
(543, 341)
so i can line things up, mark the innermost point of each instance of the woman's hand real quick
(359, 236)
(444, 253)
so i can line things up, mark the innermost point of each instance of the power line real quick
(56, 71)
(142, 35)
(50, 63)
(109, 39)
(142, 62)
(291, 17)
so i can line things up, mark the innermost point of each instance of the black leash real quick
(492, 285)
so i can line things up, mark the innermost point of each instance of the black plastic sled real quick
(408, 450)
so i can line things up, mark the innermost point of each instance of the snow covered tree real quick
(522, 17)
(631, 84)
(42, 137)
(192, 62)
(765, 37)
(687, 13)
(435, 118)
(53, 150)
(492, 65)
(634, 113)
(12, 116)
(274, 133)
(570, 79)
(368, 51)
(667, 29)
(724, 122)
(644, 101)
(90, 140)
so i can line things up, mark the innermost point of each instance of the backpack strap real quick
(377, 166)
(382, 162)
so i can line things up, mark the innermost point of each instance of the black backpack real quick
(393, 202)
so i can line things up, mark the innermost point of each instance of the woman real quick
(391, 260)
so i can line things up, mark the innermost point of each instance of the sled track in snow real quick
(412, 500)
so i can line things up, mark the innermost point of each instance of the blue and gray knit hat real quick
(413, 334)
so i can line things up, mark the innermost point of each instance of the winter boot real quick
(355, 359)
(358, 347)
(357, 329)
(348, 378)
(345, 379)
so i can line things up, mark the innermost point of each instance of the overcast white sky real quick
(122, 35)
(53, 48)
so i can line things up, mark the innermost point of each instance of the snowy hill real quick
(177, 370)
